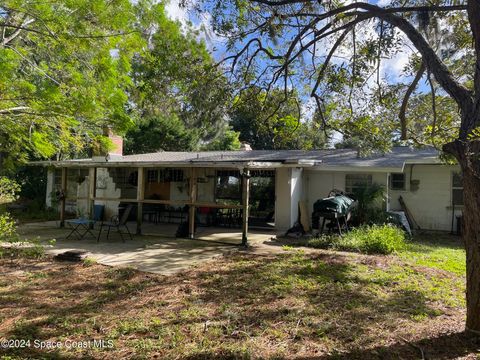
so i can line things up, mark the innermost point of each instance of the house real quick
(263, 187)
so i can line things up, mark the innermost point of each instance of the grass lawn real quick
(300, 304)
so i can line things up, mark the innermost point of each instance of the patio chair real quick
(118, 223)
(83, 226)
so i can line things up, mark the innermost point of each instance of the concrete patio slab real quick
(157, 254)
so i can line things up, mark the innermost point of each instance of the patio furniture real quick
(117, 223)
(229, 217)
(83, 226)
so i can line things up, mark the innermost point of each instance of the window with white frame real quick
(397, 181)
(457, 189)
(356, 181)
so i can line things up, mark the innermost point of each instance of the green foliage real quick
(420, 125)
(65, 73)
(8, 190)
(180, 95)
(272, 122)
(160, 133)
(229, 141)
(8, 228)
(374, 239)
(368, 208)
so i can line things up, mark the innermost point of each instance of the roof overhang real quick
(353, 168)
(88, 163)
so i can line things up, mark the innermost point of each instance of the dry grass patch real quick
(296, 305)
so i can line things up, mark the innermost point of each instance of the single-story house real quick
(249, 185)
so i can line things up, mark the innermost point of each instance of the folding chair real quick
(83, 226)
(117, 223)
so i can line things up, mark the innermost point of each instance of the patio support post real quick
(387, 194)
(63, 197)
(140, 198)
(245, 203)
(193, 199)
(92, 184)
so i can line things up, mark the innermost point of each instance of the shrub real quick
(8, 228)
(374, 239)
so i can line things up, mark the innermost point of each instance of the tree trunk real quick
(471, 238)
(467, 154)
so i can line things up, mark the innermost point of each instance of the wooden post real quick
(193, 199)
(92, 183)
(245, 203)
(140, 198)
(63, 197)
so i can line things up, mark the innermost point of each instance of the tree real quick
(160, 133)
(266, 121)
(291, 42)
(179, 94)
(229, 141)
(65, 71)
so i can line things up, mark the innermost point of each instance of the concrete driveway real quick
(155, 254)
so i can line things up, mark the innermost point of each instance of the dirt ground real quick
(301, 305)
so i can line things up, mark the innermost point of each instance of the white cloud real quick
(177, 12)
(200, 22)
(308, 109)
(384, 3)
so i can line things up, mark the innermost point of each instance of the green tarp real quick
(340, 204)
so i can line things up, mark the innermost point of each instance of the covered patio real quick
(215, 196)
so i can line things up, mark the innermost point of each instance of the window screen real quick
(457, 189)
(355, 181)
(397, 181)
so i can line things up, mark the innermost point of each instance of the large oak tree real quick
(293, 43)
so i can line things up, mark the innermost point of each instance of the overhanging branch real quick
(406, 98)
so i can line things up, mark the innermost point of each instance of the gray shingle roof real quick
(322, 158)
(334, 157)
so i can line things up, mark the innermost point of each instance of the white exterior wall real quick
(50, 187)
(431, 204)
(321, 182)
(288, 192)
(296, 186)
(206, 190)
(106, 189)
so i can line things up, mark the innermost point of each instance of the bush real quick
(374, 239)
(8, 228)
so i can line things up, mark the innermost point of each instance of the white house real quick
(256, 184)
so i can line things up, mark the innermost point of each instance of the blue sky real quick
(390, 68)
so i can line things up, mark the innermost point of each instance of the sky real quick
(391, 68)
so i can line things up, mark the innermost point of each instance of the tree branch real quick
(403, 9)
(406, 98)
(444, 77)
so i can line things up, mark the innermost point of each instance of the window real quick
(164, 175)
(457, 189)
(152, 176)
(57, 181)
(397, 181)
(228, 185)
(356, 181)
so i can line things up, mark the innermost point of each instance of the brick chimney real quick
(101, 154)
(117, 141)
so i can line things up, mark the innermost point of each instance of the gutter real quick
(88, 163)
